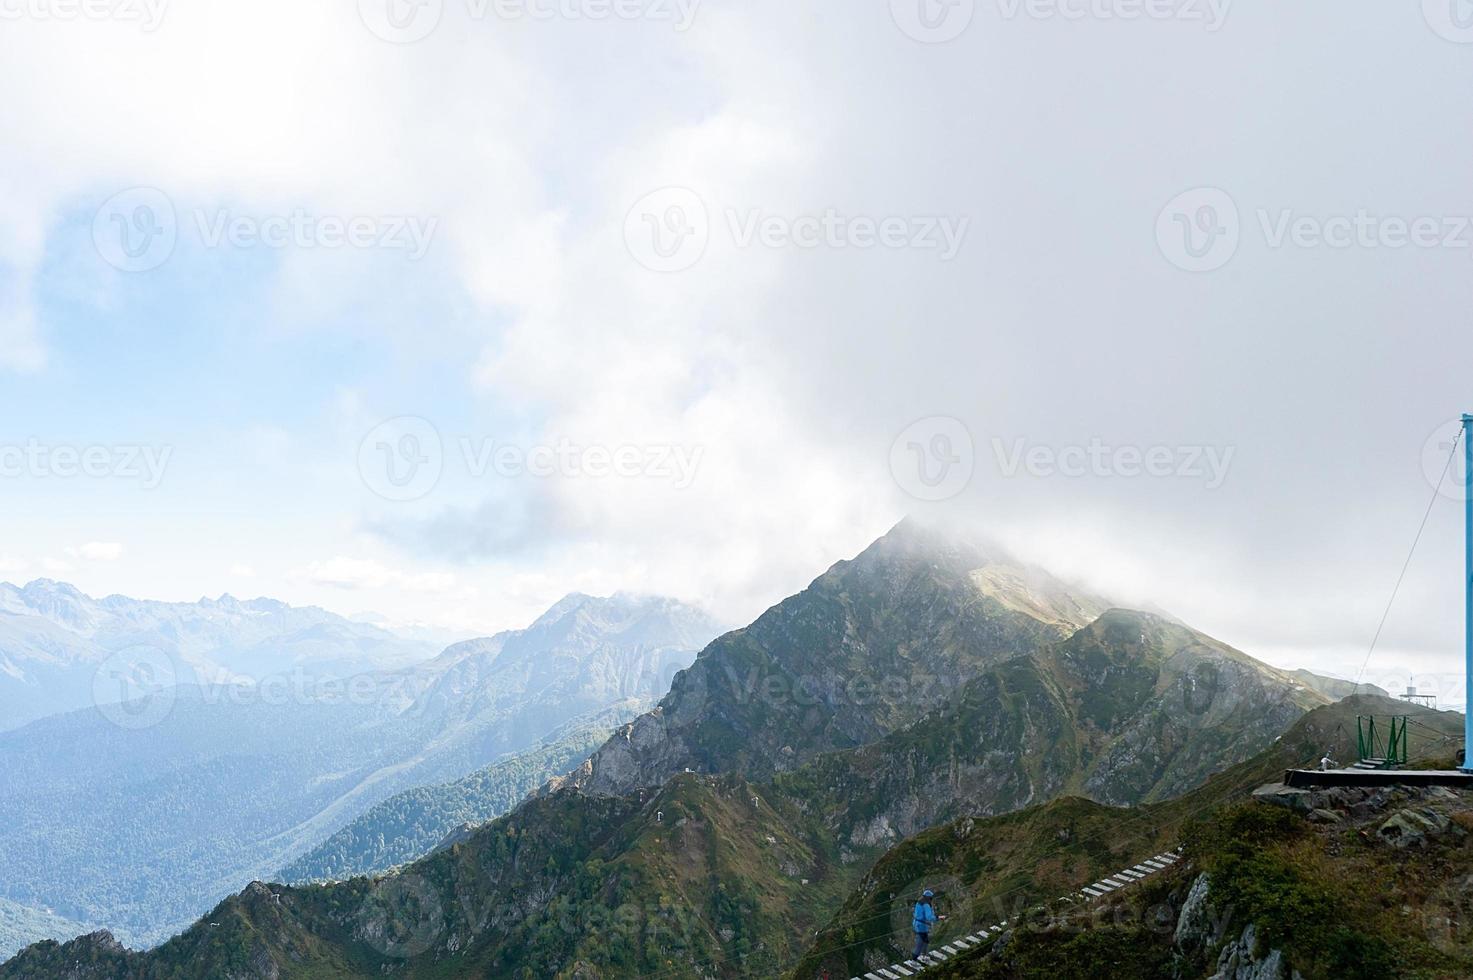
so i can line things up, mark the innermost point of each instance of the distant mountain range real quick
(61, 649)
(144, 815)
(930, 679)
(413, 823)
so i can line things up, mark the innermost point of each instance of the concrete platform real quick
(1304, 778)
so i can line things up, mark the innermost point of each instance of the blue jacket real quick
(924, 916)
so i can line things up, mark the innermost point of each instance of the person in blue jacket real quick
(921, 921)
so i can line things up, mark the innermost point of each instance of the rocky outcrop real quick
(1197, 927)
(1201, 928)
(1240, 960)
(1416, 826)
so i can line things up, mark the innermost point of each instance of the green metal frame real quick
(1387, 743)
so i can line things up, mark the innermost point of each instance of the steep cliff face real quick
(869, 647)
(1130, 709)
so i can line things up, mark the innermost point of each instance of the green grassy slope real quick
(997, 868)
(695, 879)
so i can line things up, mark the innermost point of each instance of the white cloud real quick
(792, 370)
(242, 571)
(97, 551)
(55, 566)
(362, 573)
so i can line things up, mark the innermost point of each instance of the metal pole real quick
(1468, 592)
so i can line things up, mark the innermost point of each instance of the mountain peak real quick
(50, 586)
(561, 608)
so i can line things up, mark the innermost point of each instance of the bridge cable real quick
(1436, 492)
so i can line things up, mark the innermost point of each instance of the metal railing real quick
(1383, 740)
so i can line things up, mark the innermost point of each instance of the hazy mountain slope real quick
(234, 783)
(160, 822)
(21, 925)
(410, 824)
(992, 869)
(584, 654)
(54, 640)
(1105, 714)
(867, 648)
(1335, 687)
(718, 875)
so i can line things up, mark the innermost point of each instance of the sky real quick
(445, 308)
